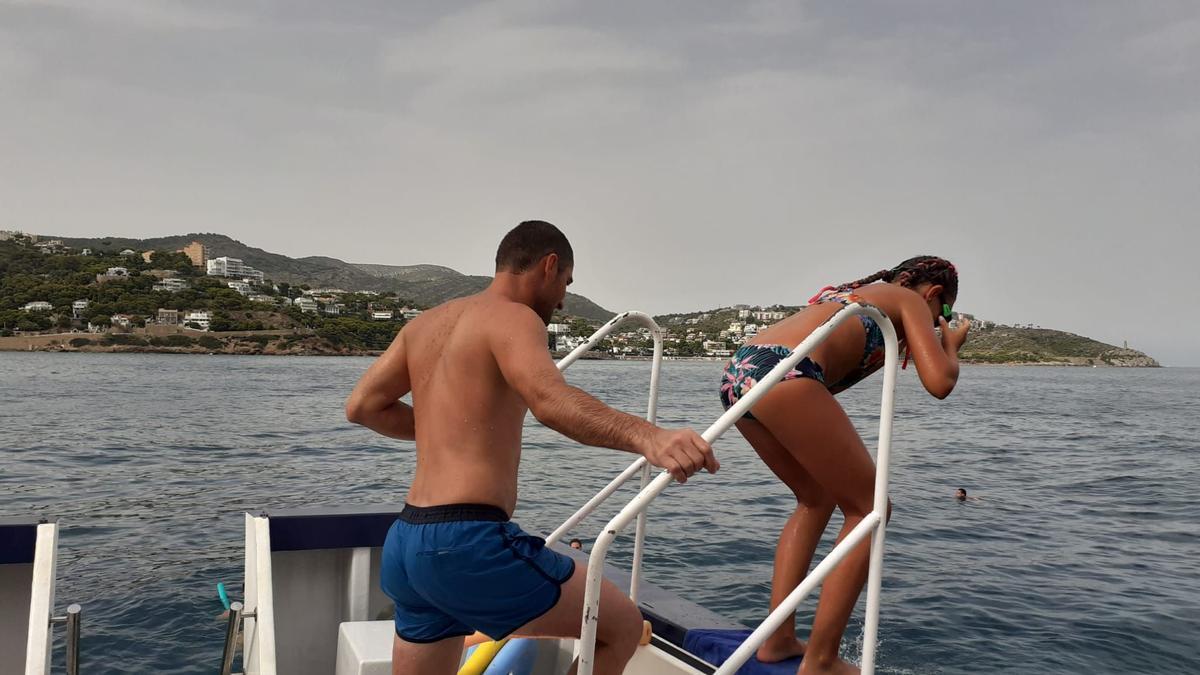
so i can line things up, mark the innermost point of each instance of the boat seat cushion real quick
(715, 646)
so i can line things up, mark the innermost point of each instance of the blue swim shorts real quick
(460, 568)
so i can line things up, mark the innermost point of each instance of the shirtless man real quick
(453, 562)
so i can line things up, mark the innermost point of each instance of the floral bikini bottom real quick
(752, 362)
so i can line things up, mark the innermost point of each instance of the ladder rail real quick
(639, 466)
(874, 524)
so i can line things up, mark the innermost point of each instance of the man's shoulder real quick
(502, 308)
(480, 315)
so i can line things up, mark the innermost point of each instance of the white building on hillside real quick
(240, 286)
(199, 317)
(78, 308)
(113, 274)
(38, 306)
(410, 314)
(171, 284)
(565, 343)
(382, 314)
(306, 304)
(232, 268)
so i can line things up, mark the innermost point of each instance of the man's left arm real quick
(375, 402)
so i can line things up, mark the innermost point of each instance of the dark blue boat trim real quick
(18, 540)
(312, 529)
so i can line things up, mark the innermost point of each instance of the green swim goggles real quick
(947, 312)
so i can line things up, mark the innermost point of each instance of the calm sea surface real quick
(1083, 555)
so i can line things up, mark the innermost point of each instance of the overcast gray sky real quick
(697, 154)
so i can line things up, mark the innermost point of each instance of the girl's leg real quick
(799, 538)
(806, 419)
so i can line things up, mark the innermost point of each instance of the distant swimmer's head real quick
(541, 256)
(576, 544)
(934, 279)
(960, 494)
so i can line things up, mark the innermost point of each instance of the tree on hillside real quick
(173, 260)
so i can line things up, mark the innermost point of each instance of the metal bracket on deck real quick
(232, 628)
(72, 619)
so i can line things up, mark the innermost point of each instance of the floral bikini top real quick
(873, 348)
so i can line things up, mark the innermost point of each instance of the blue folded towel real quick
(715, 646)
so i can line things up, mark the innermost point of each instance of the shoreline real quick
(242, 349)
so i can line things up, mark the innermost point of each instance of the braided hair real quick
(914, 272)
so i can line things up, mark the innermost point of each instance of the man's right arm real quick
(518, 342)
(375, 402)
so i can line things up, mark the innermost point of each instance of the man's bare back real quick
(468, 417)
(475, 366)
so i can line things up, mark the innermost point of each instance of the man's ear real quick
(934, 291)
(550, 266)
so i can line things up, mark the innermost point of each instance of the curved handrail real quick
(587, 646)
(640, 463)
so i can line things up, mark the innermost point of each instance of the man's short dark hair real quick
(528, 243)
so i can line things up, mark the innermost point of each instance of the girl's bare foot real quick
(837, 667)
(774, 651)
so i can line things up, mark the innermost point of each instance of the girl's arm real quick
(936, 359)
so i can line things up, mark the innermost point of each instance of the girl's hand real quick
(953, 338)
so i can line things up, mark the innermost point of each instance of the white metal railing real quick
(638, 466)
(874, 523)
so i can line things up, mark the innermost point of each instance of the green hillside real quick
(27, 275)
(432, 284)
(993, 343)
(987, 342)
(426, 285)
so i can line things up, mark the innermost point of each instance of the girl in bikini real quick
(806, 439)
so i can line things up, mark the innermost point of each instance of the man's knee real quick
(622, 626)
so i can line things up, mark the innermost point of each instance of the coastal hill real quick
(425, 285)
(988, 342)
(432, 284)
(994, 343)
(28, 276)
